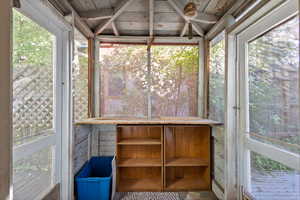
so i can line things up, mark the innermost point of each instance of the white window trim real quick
(276, 16)
(42, 15)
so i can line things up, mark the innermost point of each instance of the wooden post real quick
(91, 59)
(5, 99)
(201, 78)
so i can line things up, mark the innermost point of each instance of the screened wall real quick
(80, 77)
(131, 88)
(216, 104)
(33, 108)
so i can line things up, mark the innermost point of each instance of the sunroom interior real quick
(190, 99)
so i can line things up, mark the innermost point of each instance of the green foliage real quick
(31, 42)
(217, 81)
(264, 164)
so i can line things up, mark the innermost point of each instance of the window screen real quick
(123, 81)
(217, 78)
(274, 86)
(174, 80)
(80, 77)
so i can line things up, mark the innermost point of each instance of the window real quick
(274, 86)
(174, 81)
(33, 108)
(217, 78)
(125, 81)
(80, 77)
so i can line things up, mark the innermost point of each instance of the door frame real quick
(278, 15)
(40, 13)
(233, 140)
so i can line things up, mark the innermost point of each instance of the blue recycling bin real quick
(93, 182)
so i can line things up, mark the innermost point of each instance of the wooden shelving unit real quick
(139, 158)
(186, 158)
(163, 158)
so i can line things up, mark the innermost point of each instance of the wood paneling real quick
(139, 179)
(187, 178)
(187, 144)
(187, 158)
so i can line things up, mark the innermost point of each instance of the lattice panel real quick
(32, 101)
(80, 80)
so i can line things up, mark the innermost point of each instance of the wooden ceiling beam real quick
(179, 9)
(123, 5)
(113, 25)
(98, 14)
(82, 25)
(151, 17)
(205, 18)
(185, 27)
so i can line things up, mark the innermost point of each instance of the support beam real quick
(5, 99)
(179, 9)
(145, 39)
(104, 13)
(186, 25)
(205, 18)
(151, 17)
(197, 29)
(79, 23)
(124, 4)
(224, 21)
(113, 25)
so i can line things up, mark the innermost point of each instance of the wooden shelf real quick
(139, 162)
(186, 184)
(140, 141)
(186, 162)
(133, 185)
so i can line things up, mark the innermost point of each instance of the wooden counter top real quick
(162, 120)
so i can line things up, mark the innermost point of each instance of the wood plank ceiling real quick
(146, 17)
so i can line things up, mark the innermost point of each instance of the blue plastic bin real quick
(93, 182)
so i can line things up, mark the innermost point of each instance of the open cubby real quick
(139, 158)
(139, 135)
(187, 178)
(187, 145)
(139, 179)
(139, 155)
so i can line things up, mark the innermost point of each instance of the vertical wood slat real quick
(5, 99)
(206, 79)
(91, 63)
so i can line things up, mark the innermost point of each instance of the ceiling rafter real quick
(185, 27)
(123, 5)
(179, 9)
(79, 22)
(98, 14)
(113, 25)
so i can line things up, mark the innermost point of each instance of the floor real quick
(165, 196)
(276, 185)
